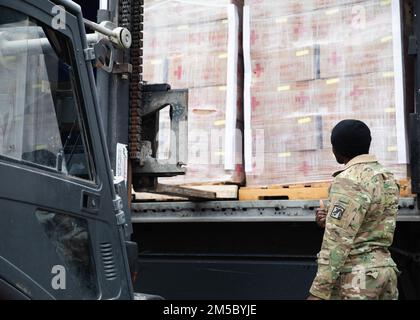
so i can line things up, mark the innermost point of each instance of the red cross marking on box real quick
(305, 168)
(335, 58)
(258, 70)
(254, 37)
(178, 72)
(356, 92)
(299, 28)
(302, 98)
(254, 103)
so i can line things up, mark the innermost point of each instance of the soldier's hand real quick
(321, 214)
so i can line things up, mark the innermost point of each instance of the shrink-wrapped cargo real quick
(310, 64)
(196, 45)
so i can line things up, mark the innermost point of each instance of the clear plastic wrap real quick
(281, 8)
(196, 45)
(206, 139)
(159, 13)
(184, 39)
(309, 65)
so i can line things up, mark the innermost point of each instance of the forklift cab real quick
(64, 228)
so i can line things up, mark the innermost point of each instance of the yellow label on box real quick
(390, 110)
(388, 74)
(219, 153)
(223, 55)
(219, 123)
(203, 111)
(392, 148)
(386, 39)
(385, 2)
(157, 61)
(301, 53)
(331, 11)
(332, 81)
(222, 88)
(281, 20)
(284, 154)
(304, 120)
(283, 88)
(9, 58)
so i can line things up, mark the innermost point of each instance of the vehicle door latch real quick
(118, 208)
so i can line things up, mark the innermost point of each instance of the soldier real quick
(359, 220)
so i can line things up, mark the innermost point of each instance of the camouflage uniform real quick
(354, 261)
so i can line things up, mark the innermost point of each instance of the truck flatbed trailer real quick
(244, 211)
(247, 249)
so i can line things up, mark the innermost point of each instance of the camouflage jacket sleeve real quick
(346, 211)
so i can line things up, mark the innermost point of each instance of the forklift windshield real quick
(40, 120)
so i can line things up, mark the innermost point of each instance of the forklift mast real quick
(130, 109)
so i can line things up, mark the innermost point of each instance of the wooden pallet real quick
(312, 191)
(405, 188)
(229, 192)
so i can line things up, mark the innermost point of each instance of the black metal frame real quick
(414, 124)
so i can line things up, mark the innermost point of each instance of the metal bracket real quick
(121, 206)
(147, 168)
(118, 208)
(120, 218)
(118, 204)
(151, 166)
(146, 171)
(120, 37)
(156, 97)
(105, 55)
(89, 54)
(122, 68)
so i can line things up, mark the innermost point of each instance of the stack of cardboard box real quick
(310, 64)
(196, 45)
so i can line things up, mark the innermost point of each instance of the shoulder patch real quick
(337, 212)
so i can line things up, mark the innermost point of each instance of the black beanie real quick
(351, 138)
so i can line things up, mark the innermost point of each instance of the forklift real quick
(79, 131)
(64, 212)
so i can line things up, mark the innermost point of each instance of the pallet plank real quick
(405, 188)
(301, 191)
(284, 193)
(222, 192)
(190, 193)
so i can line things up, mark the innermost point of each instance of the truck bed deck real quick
(245, 211)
